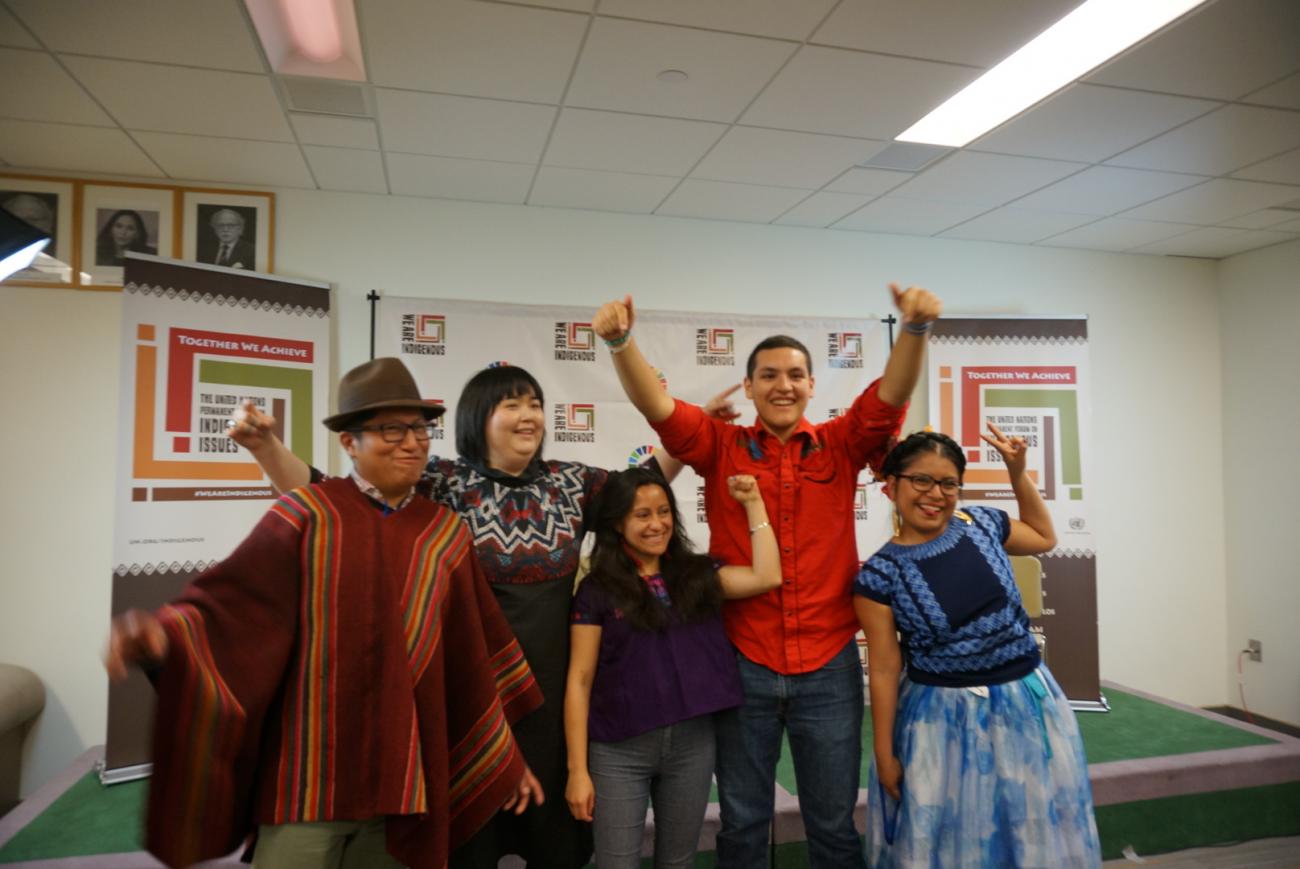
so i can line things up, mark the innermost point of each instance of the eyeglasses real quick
(924, 483)
(395, 432)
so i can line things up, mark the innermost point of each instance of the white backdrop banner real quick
(445, 342)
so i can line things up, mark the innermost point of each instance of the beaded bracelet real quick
(611, 343)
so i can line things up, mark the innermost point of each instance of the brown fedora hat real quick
(379, 384)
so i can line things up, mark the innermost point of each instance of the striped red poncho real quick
(341, 664)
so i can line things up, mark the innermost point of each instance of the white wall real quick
(1259, 297)
(1156, 423)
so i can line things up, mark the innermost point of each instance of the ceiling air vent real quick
(906, 156)
(326, 96)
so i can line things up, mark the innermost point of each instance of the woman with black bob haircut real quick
(526, 515)
(649, 665)
(978, 760)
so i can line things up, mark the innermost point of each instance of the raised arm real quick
(613, 323)
(765, 573)
(584, 647)
(1032, 533)
(255, 432)
(919, 308)
(885, 666)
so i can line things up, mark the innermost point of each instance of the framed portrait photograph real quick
(234, 230)
(118, 218)
(45, 203)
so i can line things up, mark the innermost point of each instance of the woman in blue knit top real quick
(978, 760)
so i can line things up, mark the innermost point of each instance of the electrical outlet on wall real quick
(1255, 650)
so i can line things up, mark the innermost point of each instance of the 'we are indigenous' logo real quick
(860, 502)
(701, 515)
(843, 349)
(715, 347)
(424, 334)
(575, 342)
(836, 412)
(574, 423)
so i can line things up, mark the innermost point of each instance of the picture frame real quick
(49, 204)
(229, 228)
(118, 217)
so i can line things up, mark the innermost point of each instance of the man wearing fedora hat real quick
(344, 682)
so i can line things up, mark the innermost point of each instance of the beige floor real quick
(1259, 854)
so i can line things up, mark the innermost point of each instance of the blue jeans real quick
(822, 711)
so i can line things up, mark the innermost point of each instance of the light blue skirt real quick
(992, 776)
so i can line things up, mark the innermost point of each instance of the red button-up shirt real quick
(807, 484)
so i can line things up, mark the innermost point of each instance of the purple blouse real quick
(648, 679)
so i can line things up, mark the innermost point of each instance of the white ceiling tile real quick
(38, 89)
(602, 191)
(1215, 242)
(1017, 225)
(1283, 94)
(12, 32)
(80, 149)
(1289, 226)
(346, 169)
(448, 178)
(335, 131)
(212, 33)
(1265, 218)
(1218, 143)
(1067, 126)
(145, 96)
(776, 18)
(907, 216)
(1106, 190)
(979, 34)
(1214, 201)
(829, 90)
(1221, 51)
(984, 179)
(1284, 169)
(463, 126)
(472, 48)
(778, 158)
(622, 60)
(570, 5)
(869, 181)
(1117, 234)
(823, 209)
(232, 161)
(615, 142)
(721, 200)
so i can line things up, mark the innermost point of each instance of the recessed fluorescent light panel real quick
(312, 38)
(1094, 32)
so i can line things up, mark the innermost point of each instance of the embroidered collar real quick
(918, 551)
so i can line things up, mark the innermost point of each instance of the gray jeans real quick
(673, 766)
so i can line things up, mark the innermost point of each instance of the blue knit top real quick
(956, 603)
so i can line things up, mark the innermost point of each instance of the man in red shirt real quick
(798, 661)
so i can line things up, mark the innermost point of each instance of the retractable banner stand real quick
(1031, 377)
(197, 342)
(588, 418)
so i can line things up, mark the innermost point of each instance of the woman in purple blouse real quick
(649, 664)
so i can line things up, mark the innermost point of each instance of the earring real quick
(898, 524)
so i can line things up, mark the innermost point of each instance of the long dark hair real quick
(923, 442)
(481, 395)
(104, 246)
(690, 578)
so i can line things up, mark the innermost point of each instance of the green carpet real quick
(87, 819)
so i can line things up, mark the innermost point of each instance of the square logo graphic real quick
(574, 423)
(715, 346)
(843, 349)
(574, 341)
(424, 334)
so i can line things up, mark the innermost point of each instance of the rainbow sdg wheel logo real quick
(640, 455)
